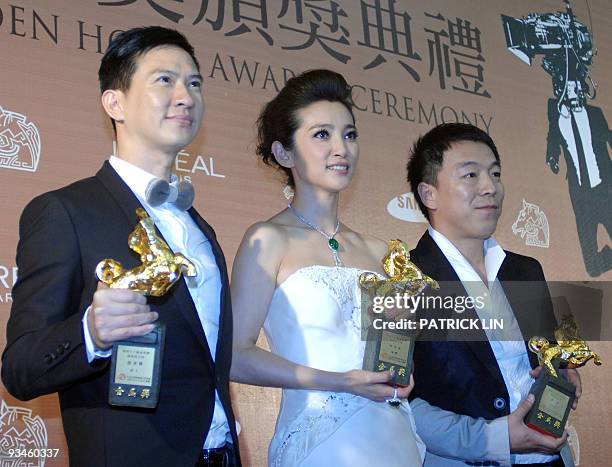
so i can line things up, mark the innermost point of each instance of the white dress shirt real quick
(511, 355)
(584, 128)
(182, 235)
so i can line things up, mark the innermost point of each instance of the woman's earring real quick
(288, 192)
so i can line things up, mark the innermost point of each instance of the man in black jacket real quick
(455, 174)
(63, 321)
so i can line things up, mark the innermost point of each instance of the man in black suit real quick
(455, 174)
(63, 321)
(584, 136)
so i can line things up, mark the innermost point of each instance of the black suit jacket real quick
(601, 138)
(463, 376)
(63, 235)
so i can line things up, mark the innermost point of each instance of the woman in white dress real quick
(296, 275)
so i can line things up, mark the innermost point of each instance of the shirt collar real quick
(494, 256)
(134, 177)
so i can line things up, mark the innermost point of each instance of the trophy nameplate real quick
(390, 350)
(136, 370)
(554, 397)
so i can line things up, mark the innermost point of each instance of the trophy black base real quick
(135, 374)
(389, 350)
(554, 397)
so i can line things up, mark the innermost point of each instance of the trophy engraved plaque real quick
(136, 362)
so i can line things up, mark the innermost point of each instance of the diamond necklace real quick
(332, 243)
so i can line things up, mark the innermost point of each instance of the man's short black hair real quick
(427, 153)
(119, 61)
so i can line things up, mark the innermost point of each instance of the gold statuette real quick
(402, 274)
(160, 267)
(570, 352)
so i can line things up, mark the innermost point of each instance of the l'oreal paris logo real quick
(405, 208)
(186, 165)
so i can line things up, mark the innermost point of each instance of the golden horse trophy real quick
(135, 376)
(554, 395)
(390, 345)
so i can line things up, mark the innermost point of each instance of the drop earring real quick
(288, 192)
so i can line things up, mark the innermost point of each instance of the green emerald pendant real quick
(333, 244)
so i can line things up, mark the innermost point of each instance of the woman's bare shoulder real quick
(375, 247)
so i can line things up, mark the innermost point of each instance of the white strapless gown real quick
(314, 320)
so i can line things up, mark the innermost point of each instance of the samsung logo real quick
(405, 208)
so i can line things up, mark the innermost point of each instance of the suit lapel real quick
(128, 203)
(429, 257)
(224, 308)
(120, 192)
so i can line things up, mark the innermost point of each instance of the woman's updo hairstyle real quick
(278, 120)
